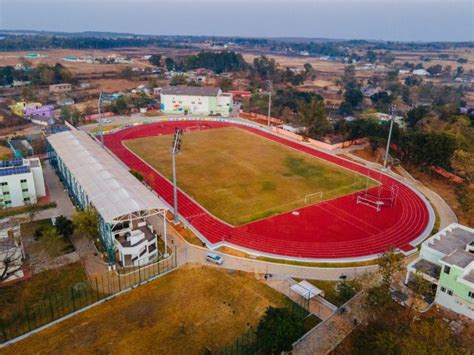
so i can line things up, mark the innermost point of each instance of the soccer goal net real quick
(313, 198)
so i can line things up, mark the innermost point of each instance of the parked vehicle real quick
(214, 258)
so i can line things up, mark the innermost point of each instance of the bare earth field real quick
(240, 176)
(180, 313)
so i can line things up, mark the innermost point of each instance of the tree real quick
(86, 222)
(389, 264)
(279, 329)
(178, 80)
(435, 69)
(11, 260)
(345, 290)
(170, 64)
(313, 116)
(64, 226)
(155, 60)
(416, 114)
(137, 174)
(265, 67)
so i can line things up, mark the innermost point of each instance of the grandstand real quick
(124, 206)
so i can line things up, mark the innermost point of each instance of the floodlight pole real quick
(269, 102)
(174, 150)
(392, 118)
(100, 120)
(175, 190)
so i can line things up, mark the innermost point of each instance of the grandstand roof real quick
(112, 190)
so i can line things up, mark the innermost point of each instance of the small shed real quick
(306, 290)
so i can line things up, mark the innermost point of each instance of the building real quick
(43, 121)
(421, 72)
(196, 100)
(59, 88)
(447, 261)
(19, 107)
(65, 102)
(125, 207)
(46, 111)
(21, 182)
(383, 117)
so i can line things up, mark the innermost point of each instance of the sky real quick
(400, 20)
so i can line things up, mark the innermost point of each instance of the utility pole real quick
(269, 101)
(392, 118)
(99, 103)
(178, 136)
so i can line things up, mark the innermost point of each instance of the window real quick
(470, 294)
(7, 202)
(4, 184)
(23, 181)
(443, 289)
(449, 292)
(26, 200)
(6, 193)
(446, 269)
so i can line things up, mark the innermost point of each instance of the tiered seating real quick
(333, 229)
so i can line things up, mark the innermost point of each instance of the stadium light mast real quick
(176, 147)
(99, 103)
(270, 87)
(392, 118)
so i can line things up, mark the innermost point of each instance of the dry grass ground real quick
(181, 313)
(241, 177)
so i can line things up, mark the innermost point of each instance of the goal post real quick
(314, 197)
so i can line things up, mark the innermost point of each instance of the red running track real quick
(334, 229)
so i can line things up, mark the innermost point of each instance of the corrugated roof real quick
(112, 190)
(191, 90)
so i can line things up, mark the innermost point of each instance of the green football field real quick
(241, 177)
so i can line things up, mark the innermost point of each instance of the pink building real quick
(43, 111)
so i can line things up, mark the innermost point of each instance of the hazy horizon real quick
(402, 20)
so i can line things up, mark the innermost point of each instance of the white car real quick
(107, 120)
(214, 258)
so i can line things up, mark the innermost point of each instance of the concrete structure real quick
(59, 88)
(196, 100)
(447, 261)
(21, 182)
(123, 204)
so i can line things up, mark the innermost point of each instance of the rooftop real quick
(451, 239)
(428, 268)
(112, 190)
(190, 90)
(459, 258)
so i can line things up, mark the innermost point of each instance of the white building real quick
(21, 182)
(421, 72)
(447, 261)
(196, 100)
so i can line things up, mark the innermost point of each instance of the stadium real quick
(244, 187)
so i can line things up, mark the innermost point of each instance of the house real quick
(196, 100)
(446, 260)
(421, 72)
(137, 245)
(59, 88)
(109, 98)
(43, 121)
(368, 91)
(18, 83)
(65, 102)
(21, 182)
(19, 107)
(46, 111)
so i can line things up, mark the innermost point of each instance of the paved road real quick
(57, 194)
(188, 253)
